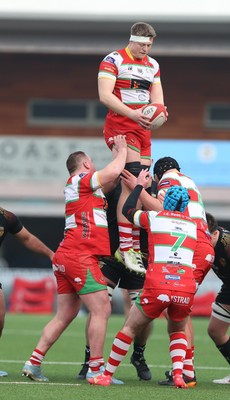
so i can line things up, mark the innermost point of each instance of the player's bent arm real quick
(110, 186)
(113, 170)
(129, 209)
(106, 96)
(156, 94)
(33, 243)
(150, 203)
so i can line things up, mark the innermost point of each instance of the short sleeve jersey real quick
(9, 223)
(133, 83)
(171, 242)
(195, 207)
(221, 265)
(86, 228)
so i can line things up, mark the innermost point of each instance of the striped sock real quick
(95, 363)
(136, 238)
(188, 368)
(120, 347)
(177, 348)
(37, 357)
(125, 236)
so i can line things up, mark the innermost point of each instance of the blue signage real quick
(206, 162)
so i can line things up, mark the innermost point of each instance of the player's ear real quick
(86, 165)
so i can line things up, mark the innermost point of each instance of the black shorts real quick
(223, 297)
(119, 275)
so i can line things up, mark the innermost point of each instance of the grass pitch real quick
(63, 363)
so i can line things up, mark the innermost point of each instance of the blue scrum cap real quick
(176, 198)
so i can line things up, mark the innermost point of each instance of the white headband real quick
(141, 39)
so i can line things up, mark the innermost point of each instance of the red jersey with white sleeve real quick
(86, 227)
(133, 83)
(204, 252)
(171, 243)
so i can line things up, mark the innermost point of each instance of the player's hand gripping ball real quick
(157, 114)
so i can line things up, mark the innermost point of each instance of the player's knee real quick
(133, 167)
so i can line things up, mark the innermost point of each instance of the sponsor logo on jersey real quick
(164, 298)
(210, 258)
(172, 277)
(175, 256)
(142, 97)
(110, 69)
(180, 299)
(181, 271)
(110, 59)
(165, 183)
(86, 229)
(77, 279)
(140, 84)
(176, 284)
(58, 267)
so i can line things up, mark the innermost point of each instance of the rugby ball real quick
(156, 113)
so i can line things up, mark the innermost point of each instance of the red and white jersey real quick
(86, 227)
(171, 242)
(195, 207)
(133, 83)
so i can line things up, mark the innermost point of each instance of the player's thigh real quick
(220, 320)
(136, 321)
(217, 328)
(180, 307)
(68, 306)
(176, 326)
(97, 303)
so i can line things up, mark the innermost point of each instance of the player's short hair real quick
(74, 161)
(176, 198)
(143, 29)
(212, 222)
(164, 164)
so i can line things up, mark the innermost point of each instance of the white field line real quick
(40, 383)
(80, 333)
(121, 365)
